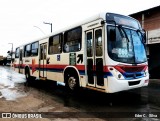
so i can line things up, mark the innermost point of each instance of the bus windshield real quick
(122, 20)
(127, 46)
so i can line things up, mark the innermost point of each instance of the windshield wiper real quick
(120, 27)
(143, 35)
(123, 35)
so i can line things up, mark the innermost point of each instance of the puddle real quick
(9, 81)
(9, 94)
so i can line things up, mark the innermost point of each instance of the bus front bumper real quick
(115, 85)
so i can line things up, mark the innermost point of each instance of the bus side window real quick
(72, 40)
(27, 50)
(66, 47)
(55, 44)
(34, 49)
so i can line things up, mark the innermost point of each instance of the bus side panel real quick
(55, 68)
(34, 66)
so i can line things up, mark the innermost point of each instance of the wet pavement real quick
(9, 81)
(134, 105)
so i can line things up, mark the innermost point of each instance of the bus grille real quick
(133, 75)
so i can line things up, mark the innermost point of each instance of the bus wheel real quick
(28, 77)
(72, 83)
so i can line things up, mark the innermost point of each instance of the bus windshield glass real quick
(126, 46)
(122, 20)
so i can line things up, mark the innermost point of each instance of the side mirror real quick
(112, 35)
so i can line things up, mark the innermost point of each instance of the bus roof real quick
(90, 19)
(93, 18)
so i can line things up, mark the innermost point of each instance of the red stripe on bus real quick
(138, 68)
(50, 66)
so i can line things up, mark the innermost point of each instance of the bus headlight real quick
(116, 73)
(119, 76)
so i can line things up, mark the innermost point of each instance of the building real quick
(8, 58)
(150, 21)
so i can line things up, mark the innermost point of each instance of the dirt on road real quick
(22, 99)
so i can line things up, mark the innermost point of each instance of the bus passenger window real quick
(27, 50)
(55, 44)
(98, 39)
(66, 47)
(72, 40)
(34, 49)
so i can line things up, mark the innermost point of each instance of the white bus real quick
(104, 53)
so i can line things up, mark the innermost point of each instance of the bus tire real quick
(28, 77)
(72, 82)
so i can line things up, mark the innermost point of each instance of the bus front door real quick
(43, 61)
(94, 51)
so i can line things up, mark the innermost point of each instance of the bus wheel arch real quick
(71, 78)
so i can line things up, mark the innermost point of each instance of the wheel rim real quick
(72, 83)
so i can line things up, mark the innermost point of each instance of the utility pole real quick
(11, 51)
(49, 24)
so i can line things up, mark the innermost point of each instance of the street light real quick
(39, 29)
(49, 24)
(11, 51)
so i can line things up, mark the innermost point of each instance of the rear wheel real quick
(72, 82)
(28, 77)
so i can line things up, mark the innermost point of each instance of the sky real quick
(21, 21)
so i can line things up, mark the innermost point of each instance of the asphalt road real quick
(56, 103)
